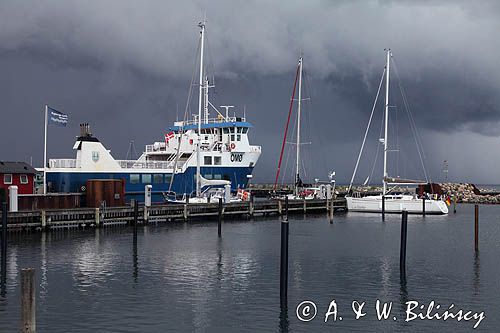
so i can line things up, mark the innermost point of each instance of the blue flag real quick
(56, 118)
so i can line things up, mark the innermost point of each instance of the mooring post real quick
(280, 209)
(97, 218)
(423, 205)
(476, 228)
(250, 205)
(185, 212)
(454, 205)
(383, 207)
(4, 246)
(286, 208)
(44, 219)
(305, 207)
(402, 252)
(146, 215)
(219, 223)
(136, 213)
(284, 261)
(28, 315)
(331, 211)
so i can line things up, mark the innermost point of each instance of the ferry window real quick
(217, 160)
(207, 160)
(146, 178)
(7, 179)
(24, 179)
(157, 179)
(217, 176)
(206, 137)
(245, 130)
(232, 137)
(226, 130)
(240, 129)
(238, 137)
(168, 178)
(134, 179)
(208, 176)
(232, 129)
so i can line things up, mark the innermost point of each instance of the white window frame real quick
(21, 179)
(5, 179)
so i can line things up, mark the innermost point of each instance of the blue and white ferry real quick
(196, 153)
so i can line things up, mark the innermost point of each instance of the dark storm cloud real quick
(125, 67)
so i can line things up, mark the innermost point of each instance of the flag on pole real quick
(56, 117)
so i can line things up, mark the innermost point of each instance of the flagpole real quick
(45, 153)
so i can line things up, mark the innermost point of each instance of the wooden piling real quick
(331, 211)
(44, 219)
(146, 215)
(284, 262)
(185, 212)
(97, 218)
(280, 208)
(402, 251)
(286, 208)
(250, 206)
(423, 205)
(219, 223)
(305, 206)
(383, 207)
(28, 314)
(454, 205)
(3, 268)
(476, 228)
(136, 213)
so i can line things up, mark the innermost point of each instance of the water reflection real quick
(284, 322)
(477, 267)
(135, 261)
(43, 266)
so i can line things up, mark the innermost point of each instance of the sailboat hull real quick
(396, 204)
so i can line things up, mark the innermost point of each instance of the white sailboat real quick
(393, 203)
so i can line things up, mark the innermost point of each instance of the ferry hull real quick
(373, 204)
(75, 181)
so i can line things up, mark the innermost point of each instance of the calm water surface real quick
(182, 278)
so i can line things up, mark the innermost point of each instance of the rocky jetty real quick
(468, 193)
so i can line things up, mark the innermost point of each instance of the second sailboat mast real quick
(297, 166)
(386, 119)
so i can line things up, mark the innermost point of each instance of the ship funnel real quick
(85, 130)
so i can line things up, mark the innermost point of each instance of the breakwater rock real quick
(468, 193)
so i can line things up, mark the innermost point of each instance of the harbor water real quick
(180, 277)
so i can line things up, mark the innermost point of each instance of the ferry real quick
(195, 154)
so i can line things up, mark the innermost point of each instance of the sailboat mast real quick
(200, 106)
(386, 119)
(297, 165)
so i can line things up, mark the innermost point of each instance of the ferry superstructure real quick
(194, 154)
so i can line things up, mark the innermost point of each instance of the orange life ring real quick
(232, 146)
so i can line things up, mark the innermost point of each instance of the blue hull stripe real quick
(72, 182)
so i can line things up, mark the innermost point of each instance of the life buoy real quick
(232, 146)
(83, 188)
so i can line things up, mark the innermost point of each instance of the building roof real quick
(16, 167)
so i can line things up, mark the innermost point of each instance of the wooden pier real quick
(160, 213)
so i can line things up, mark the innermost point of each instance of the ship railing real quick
(214, 120)
(129, 164)
(62, 163)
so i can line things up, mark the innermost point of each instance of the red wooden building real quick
(16, 173)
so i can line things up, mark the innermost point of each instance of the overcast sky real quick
(125, 67)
